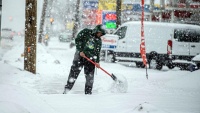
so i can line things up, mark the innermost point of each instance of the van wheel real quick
(170, 66)
(154, 61)
(198, 65)
(110, 58)
(184, 67)
(140, 65)
(153, 64)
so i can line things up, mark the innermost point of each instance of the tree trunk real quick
(42, 21)
(151, 9)
(0, 19)
(76, 21)
(30, 36)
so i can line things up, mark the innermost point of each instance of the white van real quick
(169, 44)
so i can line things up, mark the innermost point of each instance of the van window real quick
(186, 35)
(121, 32)
(6, 29)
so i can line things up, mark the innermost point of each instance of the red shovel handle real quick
(96, 65)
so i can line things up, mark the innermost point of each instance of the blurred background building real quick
(103, 11)
(60, 14)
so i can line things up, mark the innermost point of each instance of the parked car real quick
(65, 37)
(170, 44)
(7, 33)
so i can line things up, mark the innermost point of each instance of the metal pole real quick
(142, 44)
(162, 8)
(106, 55)
(172, 16)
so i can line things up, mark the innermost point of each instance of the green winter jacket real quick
(87, 43)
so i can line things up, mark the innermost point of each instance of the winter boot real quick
(88, 90)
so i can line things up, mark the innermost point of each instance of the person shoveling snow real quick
(88, 47)
(88, 43)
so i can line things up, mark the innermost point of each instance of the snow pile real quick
(5, 108)
(184, 81)
(14, 99)
(165, 91)
(17, 93)
(147, 108)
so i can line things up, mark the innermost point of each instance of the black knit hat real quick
(99, 28)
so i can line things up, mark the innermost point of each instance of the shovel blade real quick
(113, 77)
(120, 84)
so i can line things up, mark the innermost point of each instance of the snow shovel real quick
(120, 85)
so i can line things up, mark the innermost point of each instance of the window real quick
(187, 35)
(121, 32)
(196, 0)
(6, 29)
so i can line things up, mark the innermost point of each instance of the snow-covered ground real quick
(166, 91)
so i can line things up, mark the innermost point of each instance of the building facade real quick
(104, 11)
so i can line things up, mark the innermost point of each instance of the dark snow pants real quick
(78, 63)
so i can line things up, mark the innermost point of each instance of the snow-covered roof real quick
(174, 25)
